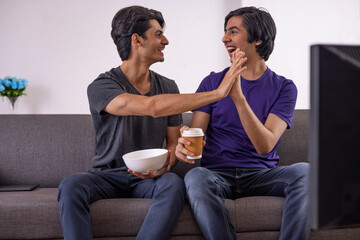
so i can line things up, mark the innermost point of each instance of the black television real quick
(334, 136)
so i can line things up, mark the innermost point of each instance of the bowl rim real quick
(163, 151)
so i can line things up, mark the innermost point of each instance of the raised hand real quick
(236, 91)
(237, 60)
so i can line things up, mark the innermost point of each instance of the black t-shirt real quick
(118, 135)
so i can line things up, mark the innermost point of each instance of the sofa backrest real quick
(293, 147)
(44, 149)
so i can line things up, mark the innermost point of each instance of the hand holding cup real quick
(190, 145)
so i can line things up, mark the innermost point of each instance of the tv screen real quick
(334, 144)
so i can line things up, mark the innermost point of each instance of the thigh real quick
(203, 180)
(96, 185)
(270, 182)
(141, 188)
(146, 188)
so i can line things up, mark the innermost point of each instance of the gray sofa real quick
(44, 149)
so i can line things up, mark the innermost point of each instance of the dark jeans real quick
(208, 188)
(78, 191)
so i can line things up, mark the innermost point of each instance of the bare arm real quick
(263, 136)
(200, 120)
(170, 104)
(159, 105)
(172, 135)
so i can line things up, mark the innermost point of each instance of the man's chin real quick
(158, 60)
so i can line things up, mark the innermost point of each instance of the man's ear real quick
(257, 43)
(136, 40)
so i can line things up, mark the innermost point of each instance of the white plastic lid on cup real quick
(193, 132)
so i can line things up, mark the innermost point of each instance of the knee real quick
(301, 172)
(301, 169)
(197, 179)
(172, 181)
(70, 188)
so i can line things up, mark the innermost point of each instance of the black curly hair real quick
(130, 20)
(259, 26)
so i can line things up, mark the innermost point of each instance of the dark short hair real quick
(130, 20)
(259, 26)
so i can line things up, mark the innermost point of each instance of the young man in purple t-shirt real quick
(242, 133)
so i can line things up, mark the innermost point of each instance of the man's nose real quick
(165, 41)
(225, 38)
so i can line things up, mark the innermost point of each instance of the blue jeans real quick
(78, 191)
(208, 188)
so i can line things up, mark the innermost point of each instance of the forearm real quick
(173, 158)
(170, 104)
(160, 105)
(261, 137)
(172, 136)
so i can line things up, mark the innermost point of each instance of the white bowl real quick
(148, 159)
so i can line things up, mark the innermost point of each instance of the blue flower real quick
(14, 85)
(20, 85)
(23, 82)
(6, 82)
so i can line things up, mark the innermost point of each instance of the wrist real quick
(238, 99)
(173, 163)
(218, 95)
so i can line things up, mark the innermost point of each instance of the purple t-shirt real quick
(227, 144)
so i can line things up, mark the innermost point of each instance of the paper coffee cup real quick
(195, 136)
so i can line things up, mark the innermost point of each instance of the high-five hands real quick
(237, 60)
(236, 91)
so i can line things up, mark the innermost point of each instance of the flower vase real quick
(12, 101)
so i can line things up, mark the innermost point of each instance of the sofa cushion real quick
(259, 213)
(31, 214)
(35, 214)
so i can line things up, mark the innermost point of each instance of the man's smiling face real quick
(236, 36)
(154, 43)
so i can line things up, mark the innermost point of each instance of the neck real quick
(135, 72)
(255, 69)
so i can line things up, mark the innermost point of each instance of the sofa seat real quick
(35, 215)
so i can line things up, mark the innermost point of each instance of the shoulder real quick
(165, 83)
(217, 76)
(108, 76)
(213, 80)
(111, 77)
(285, 84)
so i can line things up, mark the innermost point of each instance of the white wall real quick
(301, 23)
(60, 46)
